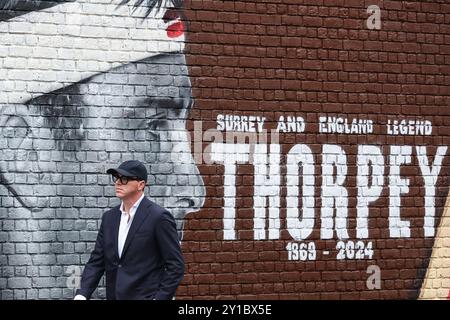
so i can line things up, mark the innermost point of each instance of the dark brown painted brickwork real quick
(312, 59)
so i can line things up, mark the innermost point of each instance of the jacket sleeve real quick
(94, 268)
(169, 247)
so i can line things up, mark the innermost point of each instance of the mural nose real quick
(195, 189)
(198, 199)
(192, 189)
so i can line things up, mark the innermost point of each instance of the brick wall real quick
(310, 160)
(314, 59)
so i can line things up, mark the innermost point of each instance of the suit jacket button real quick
(120, 266)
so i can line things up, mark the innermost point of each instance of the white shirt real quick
(124, 227)
(125, 224)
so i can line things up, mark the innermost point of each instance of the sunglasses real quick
(124, 180)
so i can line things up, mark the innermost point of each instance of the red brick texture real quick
(316, 59)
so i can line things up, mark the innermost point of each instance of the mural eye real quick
(156, 128)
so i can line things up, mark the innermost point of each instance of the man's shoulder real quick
(111, 212)
(153, 206)
(156, 210)
(113, 209)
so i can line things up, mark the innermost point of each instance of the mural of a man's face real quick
(63, 142)
(107, 82)
(128, 101)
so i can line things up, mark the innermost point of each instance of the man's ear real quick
(14, 129)
(16, 132)
(142, 185)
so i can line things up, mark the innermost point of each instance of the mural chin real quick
(180, 208)
(182, 195)
(180, 215)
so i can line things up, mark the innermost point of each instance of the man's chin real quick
(119, 195)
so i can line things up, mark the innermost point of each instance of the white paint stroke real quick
(49, 49)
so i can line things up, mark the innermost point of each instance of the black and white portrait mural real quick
(84, 86)
(320, 129)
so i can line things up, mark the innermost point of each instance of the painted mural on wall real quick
(304, 201)
(75, 102)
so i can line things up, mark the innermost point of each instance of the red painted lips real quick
(175, 30)
(176, 26)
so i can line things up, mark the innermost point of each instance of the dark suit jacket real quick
(151, 266)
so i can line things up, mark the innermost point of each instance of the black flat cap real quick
(130, 168)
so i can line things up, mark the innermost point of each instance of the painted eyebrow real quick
(158, 116)
(130, 114)
(177, 105)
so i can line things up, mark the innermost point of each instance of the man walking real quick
(137, 244)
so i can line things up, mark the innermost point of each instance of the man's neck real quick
(130, 201)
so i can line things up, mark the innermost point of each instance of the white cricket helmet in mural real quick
(49, 48)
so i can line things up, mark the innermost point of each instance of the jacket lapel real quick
(141, 214)
(115, 226)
